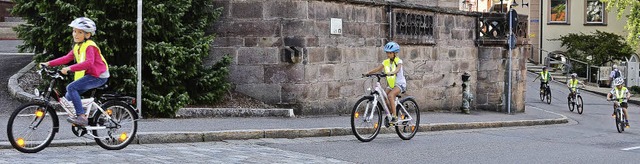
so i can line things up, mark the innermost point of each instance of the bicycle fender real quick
(406, 98)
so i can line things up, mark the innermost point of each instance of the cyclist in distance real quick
(395, 76)
(620, 92)
(88, 60)
(544, 76)
(573, 85)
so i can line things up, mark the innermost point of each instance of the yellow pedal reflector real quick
(123, 136)
(20, 142)
(39, 113)
(375, 125)
(413, 128)
(357, 115)
(109, 111)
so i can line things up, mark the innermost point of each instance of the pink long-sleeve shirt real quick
(93, 64)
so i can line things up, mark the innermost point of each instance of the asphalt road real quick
(588, 138)
(9, 65)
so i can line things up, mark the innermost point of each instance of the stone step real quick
(10, 24)
(13, 19)
(6, 33)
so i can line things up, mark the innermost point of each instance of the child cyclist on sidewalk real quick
(395, 79)
(89, 60)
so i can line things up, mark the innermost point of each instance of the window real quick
(558, 12)
(413, 28)
(594, 13)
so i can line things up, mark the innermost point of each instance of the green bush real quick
(174, 44)
(634, 89)
(600, 46)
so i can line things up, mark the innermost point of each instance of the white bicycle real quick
(366, 117)
(33, 125)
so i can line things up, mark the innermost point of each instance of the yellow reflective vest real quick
(391, 67)
(80, 54)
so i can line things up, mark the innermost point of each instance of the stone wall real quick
(327, 80)
(5, 5)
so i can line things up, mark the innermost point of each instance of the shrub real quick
(174, 45)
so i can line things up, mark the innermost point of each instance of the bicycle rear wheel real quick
(121, 128)
(579, 104)
(407, 129)
(366, 119)
(31, 127)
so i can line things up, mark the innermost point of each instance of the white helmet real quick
(574, 75)
(618, 81)
(84, 24)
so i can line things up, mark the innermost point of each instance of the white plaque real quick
(336, 26)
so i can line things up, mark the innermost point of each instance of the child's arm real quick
(397, 69)
(61, 60)
(377, 69)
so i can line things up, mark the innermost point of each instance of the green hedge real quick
(174, 46)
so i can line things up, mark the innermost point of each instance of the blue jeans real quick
(74, 89)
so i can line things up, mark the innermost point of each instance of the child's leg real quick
(74, 89)
(392, 99)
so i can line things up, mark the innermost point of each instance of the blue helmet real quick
(392, 47)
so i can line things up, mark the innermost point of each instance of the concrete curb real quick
(208, 136)
(232, 112)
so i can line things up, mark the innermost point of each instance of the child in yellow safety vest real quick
(573, 85)
(395, 79)
(545, 77)
(88, 60)
(621, 95)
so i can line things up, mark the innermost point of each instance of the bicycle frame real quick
(379, 94)
(89, 103)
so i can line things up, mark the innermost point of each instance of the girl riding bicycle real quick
(572, 84)
(621, 94)
(89, 60)
(393, 68)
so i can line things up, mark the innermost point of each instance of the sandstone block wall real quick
(327, 80)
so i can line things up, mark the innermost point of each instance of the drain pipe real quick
(390, 15)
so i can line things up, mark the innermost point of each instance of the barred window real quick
(412, 28)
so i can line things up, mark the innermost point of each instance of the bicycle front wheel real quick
(120, 129)
(619, 122)
(570, 104)
(408, 119)
(548, 96)
(579, 104)
(365, 119)
(31, 127)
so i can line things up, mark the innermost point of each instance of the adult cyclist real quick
(620, 92)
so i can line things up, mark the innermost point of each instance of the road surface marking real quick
(631, 148)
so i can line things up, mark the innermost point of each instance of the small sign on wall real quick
(336, 26)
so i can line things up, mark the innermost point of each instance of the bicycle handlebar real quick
(51, 71)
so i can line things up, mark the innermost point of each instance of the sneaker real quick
(394, 120)
(627, 123)
(78, 120)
